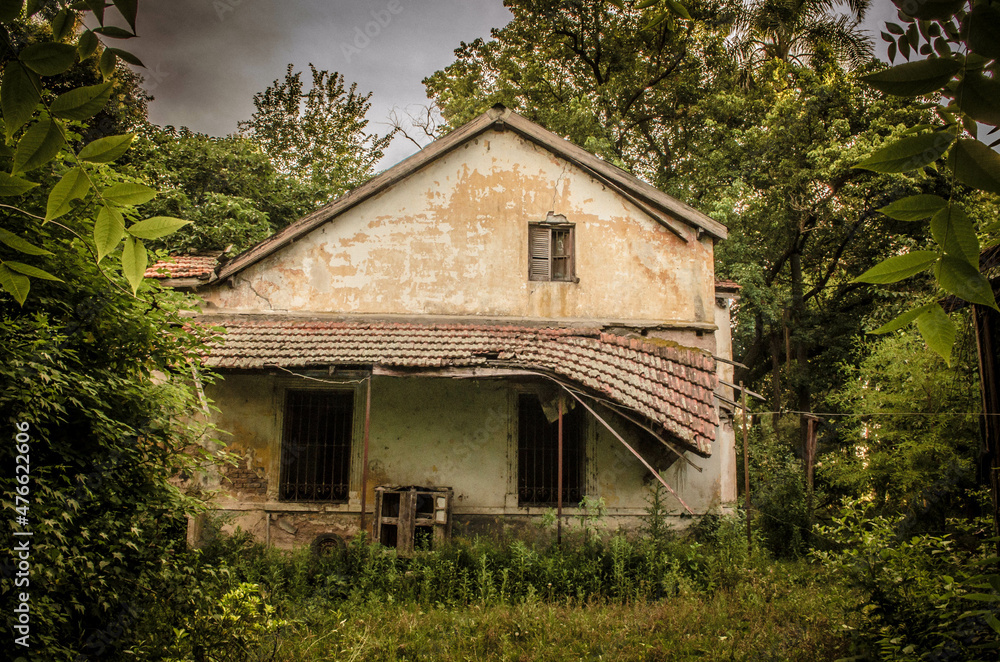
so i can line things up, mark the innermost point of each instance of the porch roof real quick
(672, 386)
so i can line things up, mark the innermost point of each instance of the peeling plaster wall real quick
(452, 239)
(435, 432)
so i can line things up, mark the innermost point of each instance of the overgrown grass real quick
(704, 596)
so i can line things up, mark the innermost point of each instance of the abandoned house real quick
(499, 327)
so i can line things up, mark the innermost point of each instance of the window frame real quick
(579, 454)
(339, 452)
(541, 252)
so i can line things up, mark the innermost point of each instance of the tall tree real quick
(799, 31)
(634, 86)
(316, 134)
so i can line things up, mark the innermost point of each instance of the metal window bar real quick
(538, 455)
(316, 445)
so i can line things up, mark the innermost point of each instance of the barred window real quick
(550, 251)
(316, 446)
(538, 454)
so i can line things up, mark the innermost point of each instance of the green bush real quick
(925, 597)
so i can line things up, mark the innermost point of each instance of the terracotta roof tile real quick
(183, 266)
(677, 397)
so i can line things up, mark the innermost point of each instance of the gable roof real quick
(669, 385)
(654, 202)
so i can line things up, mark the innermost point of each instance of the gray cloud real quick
(205, 59)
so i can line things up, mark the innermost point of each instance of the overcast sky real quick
(206, 59)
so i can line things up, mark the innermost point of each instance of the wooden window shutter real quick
(539, 253)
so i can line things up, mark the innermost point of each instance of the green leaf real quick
(105, 150)
(97, 6)
(87, 44)
(13, 186)
(108, 230)
(897, 268)
(929, 10)
(914, 78)
(29, 270)
(659, 18)
(156, 227)
(10, 9)
(982, 597)
(983, 36)
(21, 245)
(976, 165)
(128, 194)
(902, 320)
(49, 58)
(14, 283)
(679, 9)
(963, 280)
(128, 9)
(38, 146)
(128, 57)
(646, 3)
(83, 102)
(62, 24)
(114, 32)
(134, 261)
(107, 63)
(19, 95)
(953, 230)
(938, 331)
(909, 153)
(74, 185)
(979, 96)
(914, 207)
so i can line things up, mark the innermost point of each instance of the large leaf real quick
(914, 78)
(984, 37)
(74, 185)
(128, 57)
(156, 227)
(107, 63)
(14, 283)
(128, 194)
(976, 165)
(87, 44)
(83, 102)
(128, 9)
(134, 261)
(97, 6)
(914, 207)
(897, 268)
(930, 10)
(938, 331)
(12, 186)
(105, 150)
(954, 231)
(20, 245)
(38, 145)
(28, 270)
(902, 320)
(963, 280)
(63, 24)
(679, 9)
(114, 32)
(979, 96)
(19, 94)
(108, 231)
(10, 9)
(909, 153)
(49, 58)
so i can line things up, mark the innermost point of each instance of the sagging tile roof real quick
(183, 266)
(669, 385)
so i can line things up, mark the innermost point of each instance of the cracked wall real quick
(452, 238)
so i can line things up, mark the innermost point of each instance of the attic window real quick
(550, 250)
